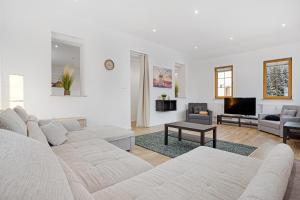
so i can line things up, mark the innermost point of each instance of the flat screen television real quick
(240, 106)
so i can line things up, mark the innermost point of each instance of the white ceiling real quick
(253, 24)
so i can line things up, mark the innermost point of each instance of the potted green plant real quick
(67, 80)
(176, 90)
(164, 96)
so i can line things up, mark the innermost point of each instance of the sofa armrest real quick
(187, 115)
(210, 114)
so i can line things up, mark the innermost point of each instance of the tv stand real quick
(228, 119)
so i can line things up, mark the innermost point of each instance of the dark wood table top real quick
(191, 126)
(294, 125)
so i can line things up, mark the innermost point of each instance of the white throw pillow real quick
(288, 113)
(71, 124)
(55, 133)
(22, 113)
(10, 120)
(35, 132)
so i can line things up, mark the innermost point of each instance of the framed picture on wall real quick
(278, 79)
(162, 77)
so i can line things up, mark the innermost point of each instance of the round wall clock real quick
(109, 64)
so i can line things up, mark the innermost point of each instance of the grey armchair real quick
(276, 127)
(192, 113)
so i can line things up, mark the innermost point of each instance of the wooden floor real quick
(243, 135)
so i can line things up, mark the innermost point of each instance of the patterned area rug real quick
(155, 142)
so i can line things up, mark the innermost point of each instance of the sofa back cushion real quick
(22, 113)
(197, 107)
(291, 107)
(71, 124)
(35, 132)
(30, 170)
(10, 120)
(271, 180)
(78, 190)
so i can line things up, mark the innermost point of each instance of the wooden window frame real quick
(289, 97)
(216, 82)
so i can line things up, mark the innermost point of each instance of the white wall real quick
(248, 77)
(27, 44)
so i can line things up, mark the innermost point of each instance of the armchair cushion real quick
(288, 113)
(272, 118)
(196, 110)
(192, 107)
(197, 116)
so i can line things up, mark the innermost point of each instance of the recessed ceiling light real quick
(196, 12)
(283, 25)
(231, 38)
(56, 46)
(154, 30)
(196, 47)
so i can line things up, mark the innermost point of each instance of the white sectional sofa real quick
(96, 170)
(31, 170)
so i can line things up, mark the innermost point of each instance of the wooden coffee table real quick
(192, 127)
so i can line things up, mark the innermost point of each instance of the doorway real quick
(139, 89)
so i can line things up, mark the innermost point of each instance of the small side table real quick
(287, 133)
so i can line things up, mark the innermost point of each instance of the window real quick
(278, 79)
(16, 91)
(179, 81)
(223, 82)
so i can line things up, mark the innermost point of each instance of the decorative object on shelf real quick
(176, 90)
(109, 64)
(163, 96)
(67, 80)
(162, 77)
(57, 84)
(278, 79)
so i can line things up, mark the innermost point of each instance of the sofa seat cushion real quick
(107, 133)
(99, 164)
(30, 170)
(270, 124)
(198, 116)
(78, 190)
(203, 173)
